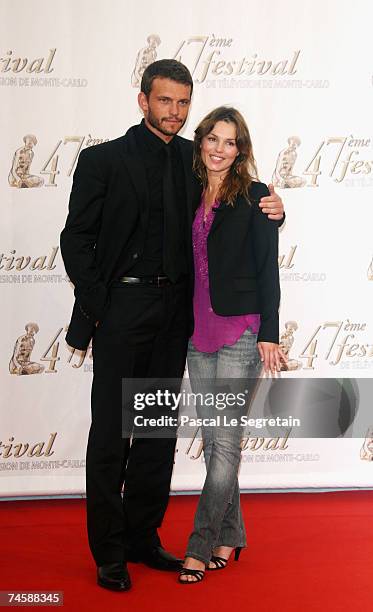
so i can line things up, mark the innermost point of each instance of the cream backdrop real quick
(302, 75)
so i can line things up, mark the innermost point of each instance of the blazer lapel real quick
(136, 169)
(220, 213)
(225, 209)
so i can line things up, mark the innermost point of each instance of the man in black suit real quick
(127, 249)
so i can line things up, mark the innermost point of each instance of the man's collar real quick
(151, 140)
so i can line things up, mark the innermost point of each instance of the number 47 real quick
(53, 159)
(313, 168)
(51, 354)
(312, 344)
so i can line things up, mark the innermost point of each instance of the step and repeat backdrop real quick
(303, 78)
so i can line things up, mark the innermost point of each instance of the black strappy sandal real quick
(198, 574)
(221, 563)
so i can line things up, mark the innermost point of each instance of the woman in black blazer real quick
(236, 330)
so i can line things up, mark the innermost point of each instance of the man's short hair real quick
(165, 69)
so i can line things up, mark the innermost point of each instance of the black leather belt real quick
(157, 281)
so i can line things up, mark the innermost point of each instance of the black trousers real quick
(143, 334)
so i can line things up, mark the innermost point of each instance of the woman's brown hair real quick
(243, 170)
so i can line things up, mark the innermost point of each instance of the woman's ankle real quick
(223, 551)
(192, 563)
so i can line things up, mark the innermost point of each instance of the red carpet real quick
(307, 552)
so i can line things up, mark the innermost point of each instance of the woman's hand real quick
(271, 356)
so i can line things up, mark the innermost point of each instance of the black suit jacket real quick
(106, 224)
(242, 251)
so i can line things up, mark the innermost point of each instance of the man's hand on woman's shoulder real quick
(272, 205)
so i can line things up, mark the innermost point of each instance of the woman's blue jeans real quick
(218, 520)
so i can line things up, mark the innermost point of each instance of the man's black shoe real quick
(156, 558)
(114, 576)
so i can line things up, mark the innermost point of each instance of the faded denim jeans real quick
(218, 520)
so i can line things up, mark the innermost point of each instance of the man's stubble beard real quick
(155, 123)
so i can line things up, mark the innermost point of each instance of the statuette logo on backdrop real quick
(20, 173)
(286, 342)
(342, 162)
(145, 56)
(283, 175)
(20, 363)
(366, 451)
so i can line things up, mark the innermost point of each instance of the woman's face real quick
(218, 148)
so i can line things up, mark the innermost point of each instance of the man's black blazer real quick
(106, 224)
(242, 249)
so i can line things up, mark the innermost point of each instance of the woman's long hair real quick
(243, 170)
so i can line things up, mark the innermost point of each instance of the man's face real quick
(166, 108)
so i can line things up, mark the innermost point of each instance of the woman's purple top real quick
(212, 331)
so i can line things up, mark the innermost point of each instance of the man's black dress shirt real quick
(152, 263)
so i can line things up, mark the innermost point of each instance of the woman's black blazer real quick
(242, 249)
